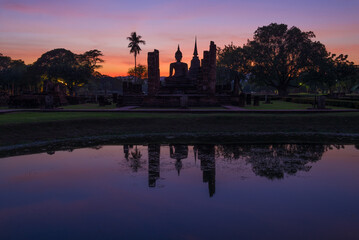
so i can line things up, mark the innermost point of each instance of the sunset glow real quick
(30, 28)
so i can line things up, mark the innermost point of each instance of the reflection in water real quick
(270, 161)
(134, 156)
(153, 164)
(135, 159)
(206, 154)
(126, 151)
(178, 152)
(234, 191)
(274, 161)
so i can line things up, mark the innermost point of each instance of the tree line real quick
(65, 67)
(58, 65)
(277, 59)
(281, 58)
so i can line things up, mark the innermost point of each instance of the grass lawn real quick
(23, 127)
(53, 117)
(199, 108)
(89, 106)
(208, 108)
(282, 105)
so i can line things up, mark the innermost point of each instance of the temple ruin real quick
(184, 87)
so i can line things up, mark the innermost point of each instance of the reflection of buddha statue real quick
(178, 152)
(180, 68)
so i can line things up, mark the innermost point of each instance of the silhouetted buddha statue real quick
(180, 69)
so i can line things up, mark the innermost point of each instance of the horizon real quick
(80, 26)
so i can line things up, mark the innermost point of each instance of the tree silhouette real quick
(279, 55)
(134, 45)
(141, 71)
(61, 65)
(345, 72)
(232, 61)
(91, 58)
(333, 73)
(12, 74)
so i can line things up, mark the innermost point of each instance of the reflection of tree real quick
(135, 159)
(96, 147)
(126, 151)
(229, 152)
(274, 161)
(357, 146)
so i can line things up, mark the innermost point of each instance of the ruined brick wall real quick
(212, 68)
(203, 83)
(208, 80)
(153, 68)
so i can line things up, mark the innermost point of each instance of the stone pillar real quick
(242, 100)
(256, 101)
(267, 100)
(249, 99)
(49, 102)
(153, 72)
(114, 97)
(321, 102)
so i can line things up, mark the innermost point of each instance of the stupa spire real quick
(195, 52)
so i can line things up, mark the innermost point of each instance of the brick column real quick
(153, 68)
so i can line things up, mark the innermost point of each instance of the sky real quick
(29, 28)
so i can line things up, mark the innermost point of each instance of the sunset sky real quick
(29, 28)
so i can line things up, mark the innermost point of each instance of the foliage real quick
(101, 84)
(141, 71)
(345, 75)
(134, 45)
(91, 58)
(232, 65)
(280, 55)
(12, 74)
(334, 73)
(61, 65)
(4, 62)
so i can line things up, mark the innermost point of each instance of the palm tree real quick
(134, 45)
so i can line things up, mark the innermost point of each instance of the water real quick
(284, 191)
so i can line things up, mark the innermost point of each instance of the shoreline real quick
(133, 109)
(179, 138)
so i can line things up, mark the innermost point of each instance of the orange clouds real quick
(31, 29)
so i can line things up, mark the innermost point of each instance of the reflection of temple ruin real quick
(193, 86)
(270, 161)
(178, 152)
(206, 154)
(153, 164)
